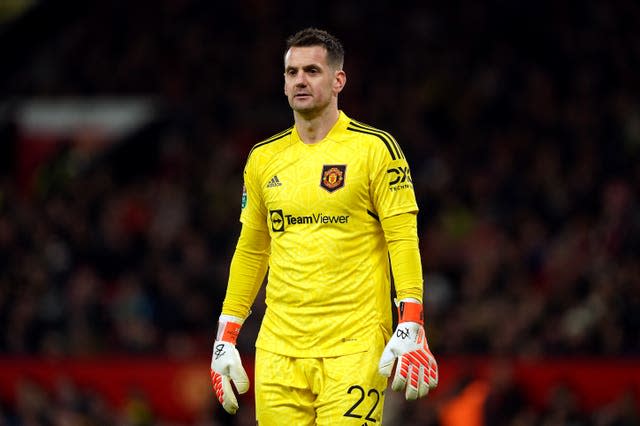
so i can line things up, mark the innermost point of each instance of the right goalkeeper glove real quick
(226, 365)
(417, 370)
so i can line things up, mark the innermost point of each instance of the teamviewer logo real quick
(277, 220)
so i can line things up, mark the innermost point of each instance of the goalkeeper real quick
(328, 208)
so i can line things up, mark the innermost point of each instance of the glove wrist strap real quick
(410, 312)
(228, 329)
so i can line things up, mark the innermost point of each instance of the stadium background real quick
(123, 131)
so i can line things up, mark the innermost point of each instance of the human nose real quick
(301, 79)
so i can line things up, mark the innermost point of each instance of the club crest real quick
(333, 176)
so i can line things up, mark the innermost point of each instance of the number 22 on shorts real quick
(367, 406)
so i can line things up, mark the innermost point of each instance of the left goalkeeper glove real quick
(226, 366)
(417, 371)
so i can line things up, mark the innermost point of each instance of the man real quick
(326, 204)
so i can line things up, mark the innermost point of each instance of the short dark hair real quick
(316, 37)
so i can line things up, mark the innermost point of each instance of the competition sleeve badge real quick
(244, 197)
(333, 176)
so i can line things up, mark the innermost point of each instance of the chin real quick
(304, 109)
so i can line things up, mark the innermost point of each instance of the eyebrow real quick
(304, 67)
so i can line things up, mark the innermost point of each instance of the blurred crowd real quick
(520, 123)
(68, 404)
(496, 401)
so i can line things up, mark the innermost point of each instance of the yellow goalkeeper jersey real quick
(328, 286)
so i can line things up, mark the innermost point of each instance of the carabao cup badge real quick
(243, 203)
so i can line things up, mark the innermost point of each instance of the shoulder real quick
(271, 142)
(379, 139)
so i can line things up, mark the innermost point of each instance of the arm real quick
(401, 234)
(248, 268)
(247, 271)
(417, 371)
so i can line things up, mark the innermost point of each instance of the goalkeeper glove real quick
(417, 371)
(226, 365)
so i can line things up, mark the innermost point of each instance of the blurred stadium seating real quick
(521, 122)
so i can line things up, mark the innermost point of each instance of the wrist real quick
(410, 310)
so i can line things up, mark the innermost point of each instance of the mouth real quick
(302, 95)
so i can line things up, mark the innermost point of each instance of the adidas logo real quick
(274, 182)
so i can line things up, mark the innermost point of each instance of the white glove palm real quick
(226, 365)
(417, 370)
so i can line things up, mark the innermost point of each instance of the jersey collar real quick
(339, 127)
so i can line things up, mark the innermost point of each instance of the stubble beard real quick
(309, 110)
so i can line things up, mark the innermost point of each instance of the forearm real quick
(247, 271)
(401, 233)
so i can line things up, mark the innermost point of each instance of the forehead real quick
(305, 55)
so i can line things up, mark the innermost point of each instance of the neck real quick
(313, 129)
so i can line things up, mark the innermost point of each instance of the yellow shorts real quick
(344, 390)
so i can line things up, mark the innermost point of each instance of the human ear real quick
(339, 81)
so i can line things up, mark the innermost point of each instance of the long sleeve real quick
(401, 234)
(247, 271)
